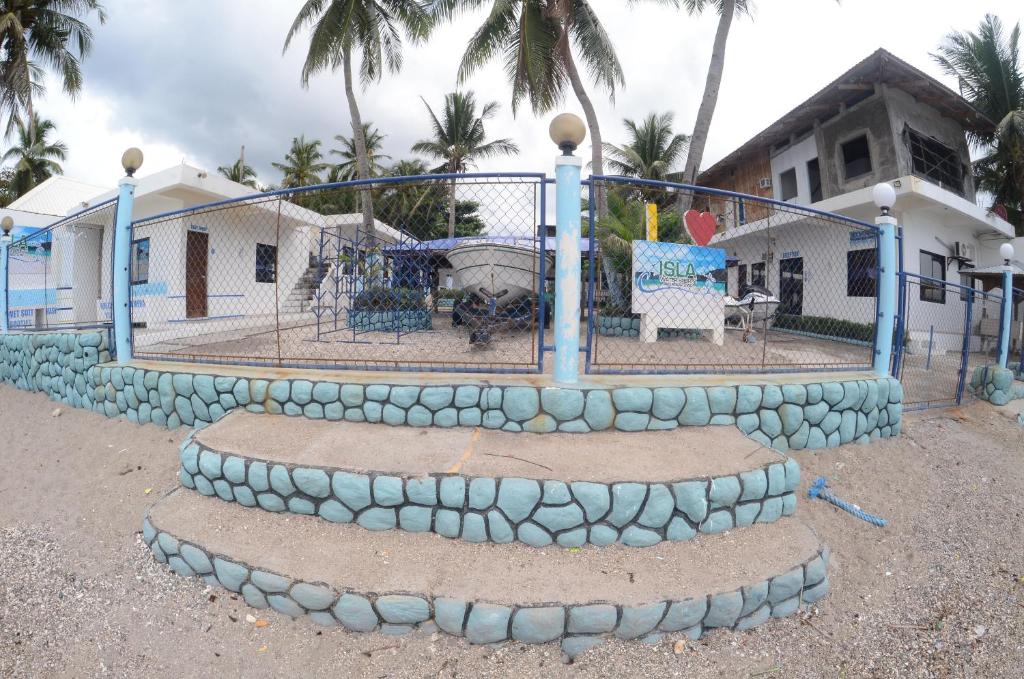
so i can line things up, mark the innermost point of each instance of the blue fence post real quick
(885, 197)
(1006, 318)
(567, 131)
(5, 250)
(121, 303)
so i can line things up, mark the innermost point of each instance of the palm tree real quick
(460, 140)
(652, 150)
(47, 32)
(348, 168)
(987, 66)
(35, 158)
(370, 28)
(243, 174)
(303, 164)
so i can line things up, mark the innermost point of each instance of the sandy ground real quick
(938, 593)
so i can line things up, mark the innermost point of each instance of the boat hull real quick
(487, 269)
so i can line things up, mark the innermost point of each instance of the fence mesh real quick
(59, 276)
(445, 275)
(1016, 360)
(777, 287)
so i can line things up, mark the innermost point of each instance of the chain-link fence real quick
(1017, 333)
(433, 272)
(60, 276)
(725, 282)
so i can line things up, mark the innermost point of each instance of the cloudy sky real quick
(193, 80)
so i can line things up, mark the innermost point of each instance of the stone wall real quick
(996, 385)
(408, 320)
(56, 364)
(627, 326)
(578, 626)
(481, 509)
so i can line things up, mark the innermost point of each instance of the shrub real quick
(389, 299)
(828, 327)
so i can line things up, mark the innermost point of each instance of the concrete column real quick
(887, 285)
(568, 269)
(5, 250)
(1006, 317)
(120, 309)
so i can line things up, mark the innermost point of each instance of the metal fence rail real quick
(446, 275)
(60, 276)
(779, 288)
(1017, 331)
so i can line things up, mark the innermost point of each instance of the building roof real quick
(57, 196)
(881, 67)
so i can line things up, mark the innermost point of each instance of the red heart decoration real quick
(701, 226)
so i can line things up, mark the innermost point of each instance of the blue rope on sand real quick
(818, 489)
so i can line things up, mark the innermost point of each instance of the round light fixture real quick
(7, 224)
(884, 196)
(1006, 252)
(131, 161)
(567, 131)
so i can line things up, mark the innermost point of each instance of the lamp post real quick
(1006, 252)
(7, 224)
(120, 309)
(567, 131)
(884, 196)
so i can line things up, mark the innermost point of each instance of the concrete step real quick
(395, 582)
(637, 489)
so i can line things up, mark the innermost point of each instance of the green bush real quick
(389, 299)
(828, 327)
(457, 294)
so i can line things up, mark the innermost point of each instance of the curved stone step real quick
(568, 489)
(392, 581)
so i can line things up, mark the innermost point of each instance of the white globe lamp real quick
(568, 132)
(884, 196)
(1006, 252)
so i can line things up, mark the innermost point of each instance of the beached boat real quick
(503, 271)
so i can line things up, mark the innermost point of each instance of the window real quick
(266, 263)
(757, 276)
(933, 266)
(140, 261)
(787, 184)
(742, 276)
(856, 157)
(968, 282)
(862, 272)
(933, 160)
(814, 179)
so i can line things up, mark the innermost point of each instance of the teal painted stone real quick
(453, 491)
(404, 396)
(258, 477)
(312, 482)
(334, 511)
(270, 502)
(487, 623)
(279, 390)
(594, 497)
(631, 421)
(240, 392)
(354, 415)
(200, 409)
(833, 393)
(559, 518)
(746, 513)
(847, 426)
(770, 423)
(189, 457)
(883, 393)
(755, 484)
(748, 423)
(635, 536)
(830, 423)
(722, 400)
(724, 492)
(205, 389)
(833, 440)
(626, 501)
(787, 585)
(851, 396)
(748, 399)
(258, 390)
(679, 530)
(517, 498)
(302, 392)
(521, 403)
(422, 491)
(632, 399)
(224, 385)
(167, 543)
(481, 493)
(313, 597)
(378, 392)
(448, 523)
(313, 411)
(815, 413)
(771, 397)
(786, 608)
(436, 398)
(270, 583)
(182, 384)
(403, 609)
(473, 528)
(325, 392)
(499, 528)
(418, 416)
(323, 618)
(393, 415)
(792, 416)
(871, 400)
(223, 490)
(197, 559)
(659, 507)
(183, 408)
(815, 593)
(575, 646)
(718, 420)
(815, 571)
(158, 553)
(754, 597)
(542, 424)
(494, 419)
(598, 412)
(798, 440)
(814, 393)
(637, 621)
(556, 493)
(717, 522)
(284, 605)
(758, 617)
(209, 464)
(280, 481)
(491, 398)
(683, 615)
(448, 417)
(538, 625)
(449, 614)
(533, 535)
(466, 396)
(231, 575)
(377, 518)
(217, 412)
(352, 489)
(387, 491)
(697, 410)
(470, 417)
(572, 538)
(355, 612)
(291, 409)
(691, 499)
(794, 393)
(414, 519)
(179, 566)
(592, 619)
(668, 403)
(724, 609)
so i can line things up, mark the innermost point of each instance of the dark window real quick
(814, 179)
(742, 276)
(933, 266)
(266, 263)
(757, 276)
(787, 184)
(862, 272)
(140, 261)
(933, 160)
(856, 157)
(967, 282)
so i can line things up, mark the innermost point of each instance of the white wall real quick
(795, 156)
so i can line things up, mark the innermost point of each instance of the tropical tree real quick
(652, 150)
(348, 168)
(42, 33)
(988, 69)
(303, 164)
(370, 30)
(35, 158)
(237, 172)
(459, 140)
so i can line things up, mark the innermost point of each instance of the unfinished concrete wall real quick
(871, 118)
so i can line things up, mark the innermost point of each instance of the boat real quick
(756, 309)
(502, 272)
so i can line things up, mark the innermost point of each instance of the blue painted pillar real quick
(1006, 317)
(568, 269)
(887, 275)
(122, 270)
(5, 249)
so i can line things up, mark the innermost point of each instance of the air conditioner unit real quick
(964, 251)
(764, 183)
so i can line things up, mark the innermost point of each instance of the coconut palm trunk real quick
(597, 148)
(707, 104)
(362, 158)
(451, 202)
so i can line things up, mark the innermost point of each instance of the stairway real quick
(300, 298)
(489, 535)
